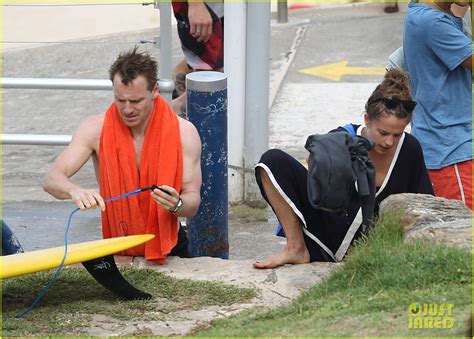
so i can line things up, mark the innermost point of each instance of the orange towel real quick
(161, 163)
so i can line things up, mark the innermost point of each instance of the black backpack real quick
(339, 167)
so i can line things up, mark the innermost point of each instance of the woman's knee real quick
(273, 156)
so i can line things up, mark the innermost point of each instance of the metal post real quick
(234, 63)
(257, 91)
(207, 110)
(165, 46)
(282, 12)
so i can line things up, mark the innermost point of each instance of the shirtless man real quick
(141, 115)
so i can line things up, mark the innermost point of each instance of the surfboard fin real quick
(105, 271)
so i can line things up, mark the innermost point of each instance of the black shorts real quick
(182, 247)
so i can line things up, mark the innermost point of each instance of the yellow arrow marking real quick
(337, 70)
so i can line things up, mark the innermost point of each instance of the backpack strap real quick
(350, 129)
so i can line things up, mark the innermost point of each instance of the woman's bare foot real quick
(286, 256)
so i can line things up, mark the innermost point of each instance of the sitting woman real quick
(318, 235)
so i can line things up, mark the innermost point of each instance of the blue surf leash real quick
(59, 269)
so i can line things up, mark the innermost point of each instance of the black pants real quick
(289, 176)
(182, 247)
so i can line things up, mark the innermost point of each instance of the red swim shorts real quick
(454, 182)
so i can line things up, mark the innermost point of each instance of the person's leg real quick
(465, 177)
(180, 67)
(179, 105)
(10, 243)
(182, 247)
(295, 251)
(179, 93)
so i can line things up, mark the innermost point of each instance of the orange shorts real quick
(454, 182)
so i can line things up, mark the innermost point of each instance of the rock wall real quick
(431, 218)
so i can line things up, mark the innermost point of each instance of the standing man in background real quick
(201, 32)
(438, 57)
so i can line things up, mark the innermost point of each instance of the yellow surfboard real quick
(35, 261)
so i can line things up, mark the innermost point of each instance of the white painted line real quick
(277, 75)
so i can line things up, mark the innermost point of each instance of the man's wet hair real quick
(133, 63)
(394, 86)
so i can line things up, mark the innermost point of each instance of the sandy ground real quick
(44, 22)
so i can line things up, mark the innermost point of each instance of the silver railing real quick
(36, 139)
(166, 84)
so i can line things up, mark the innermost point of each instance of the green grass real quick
(76, 297)
(248, 213)
(371, 293)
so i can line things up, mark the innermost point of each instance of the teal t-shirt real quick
(435, 47)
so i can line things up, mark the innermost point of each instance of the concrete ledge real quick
(275, 286)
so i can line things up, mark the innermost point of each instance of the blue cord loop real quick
(59, 269)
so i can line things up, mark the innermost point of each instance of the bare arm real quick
(192, 178)
(57, 180)
(468, 62)
(200, 20)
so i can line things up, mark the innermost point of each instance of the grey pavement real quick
(302, 104)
